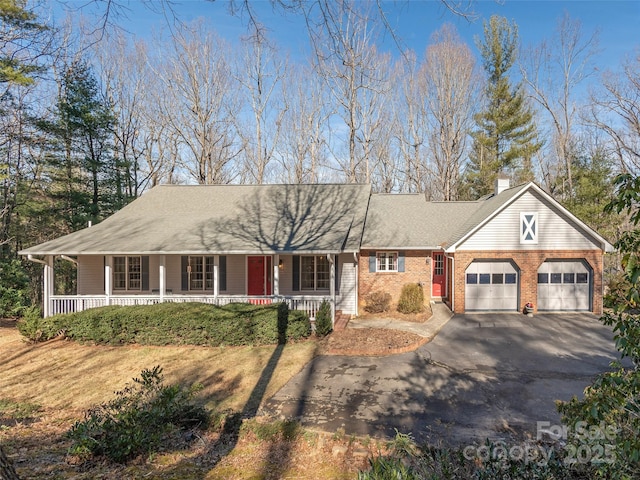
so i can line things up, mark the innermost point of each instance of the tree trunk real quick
(7, 472)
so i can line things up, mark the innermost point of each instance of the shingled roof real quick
(409, 221)
(253, 219)
(168, 219)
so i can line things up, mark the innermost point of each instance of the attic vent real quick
(529, 227)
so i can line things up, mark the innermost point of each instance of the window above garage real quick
(528, 227)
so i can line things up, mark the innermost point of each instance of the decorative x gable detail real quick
(529, 227)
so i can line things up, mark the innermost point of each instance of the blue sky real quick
(617, 21)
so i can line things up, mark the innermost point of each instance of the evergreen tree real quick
(21, 40)
(83, 171)
(592, 190)
(506, 138)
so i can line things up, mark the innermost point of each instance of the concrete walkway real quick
(429, 329)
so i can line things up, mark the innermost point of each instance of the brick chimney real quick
(502, 183)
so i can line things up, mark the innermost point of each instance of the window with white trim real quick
(200, 273)
(127, 273)
(315, 273)
(387, 262)
(528, 227)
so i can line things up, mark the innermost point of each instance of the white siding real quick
(90, 275)
(286, 276)
(172, 265)
(236, 275)
(555, 232)
(347, 276)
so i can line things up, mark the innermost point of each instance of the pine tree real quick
(506, 137)
(83, 171)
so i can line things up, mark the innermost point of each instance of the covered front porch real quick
(302, 281)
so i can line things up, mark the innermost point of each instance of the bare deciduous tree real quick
(616, 111)
(196, 102)
(410, 125)
(303, 145)
(353, 70)
(552, 71)
(259, 125)
(450, 92)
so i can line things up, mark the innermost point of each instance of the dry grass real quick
(62, 374)
(65, 379)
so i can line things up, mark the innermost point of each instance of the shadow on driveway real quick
(483, 376)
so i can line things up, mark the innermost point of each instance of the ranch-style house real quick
(303, 244)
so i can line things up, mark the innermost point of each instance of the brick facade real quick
(528, 263)
(417, 270)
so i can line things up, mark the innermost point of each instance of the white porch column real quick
(276, 274)
(332, 287)
(216, 272)
(108, 286)
(48, 277)
(163, 277)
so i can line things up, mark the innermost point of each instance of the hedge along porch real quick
(218, 244)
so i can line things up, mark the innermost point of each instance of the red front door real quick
(439, 277)
(258, 275)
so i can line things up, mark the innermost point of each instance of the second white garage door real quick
(491, 286)
(564, 285)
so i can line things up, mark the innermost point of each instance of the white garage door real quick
(564, 285)
(491, 286)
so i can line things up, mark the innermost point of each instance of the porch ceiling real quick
(226, 219)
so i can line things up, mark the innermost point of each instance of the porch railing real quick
(77, 303)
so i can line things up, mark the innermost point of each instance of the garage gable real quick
(531, 222)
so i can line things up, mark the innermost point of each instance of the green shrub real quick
(143, 418)
(323, 320)
(377, 302)
(173, 324)
(411, 299)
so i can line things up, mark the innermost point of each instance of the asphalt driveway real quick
(483, 376)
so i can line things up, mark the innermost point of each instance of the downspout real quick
(355, 265)
(453, 281)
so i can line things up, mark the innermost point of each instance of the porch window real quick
(200, 271)
(127, 273)
(387, 262)
(315, 273)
